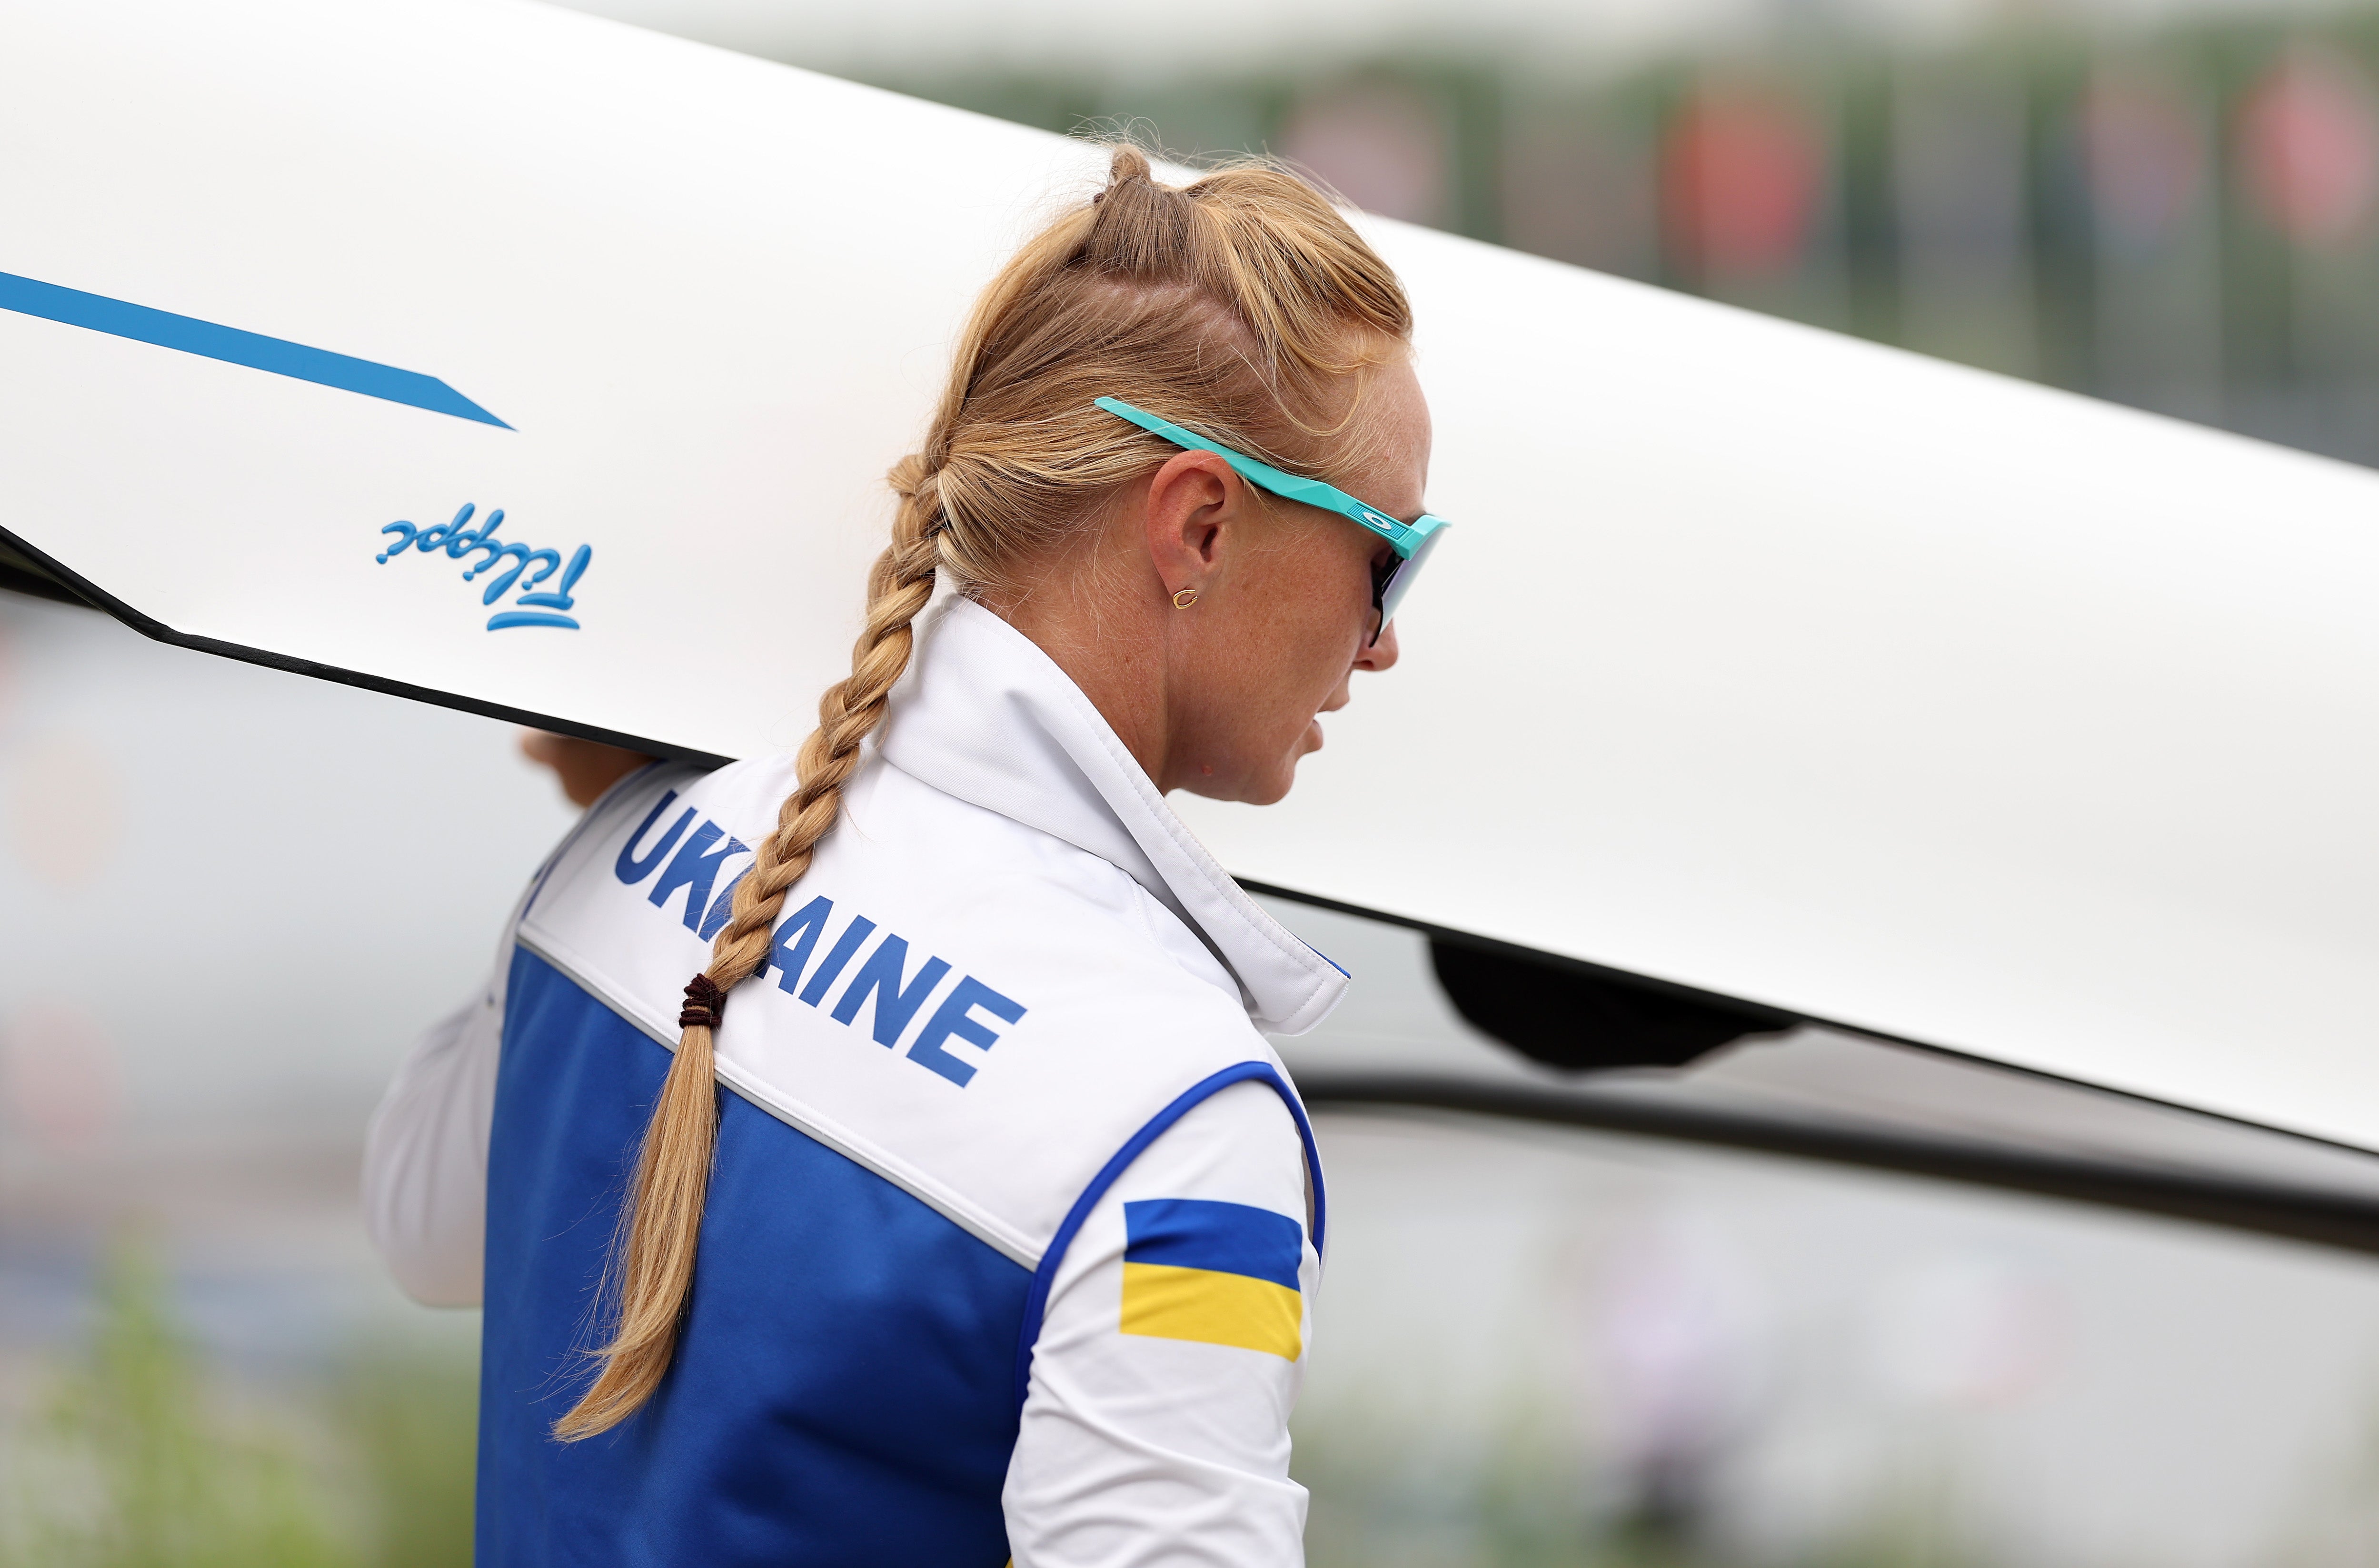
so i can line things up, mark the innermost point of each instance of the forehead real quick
(1402, 413)
(1390, 451)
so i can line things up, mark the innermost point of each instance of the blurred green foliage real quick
(138, 1456)
(1391, 1490)
(412, 1417)
(138, 1453)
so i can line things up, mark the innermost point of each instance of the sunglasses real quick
(1411, 541)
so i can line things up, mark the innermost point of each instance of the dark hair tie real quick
(706, 1003)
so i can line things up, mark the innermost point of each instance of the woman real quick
(1001, 1237)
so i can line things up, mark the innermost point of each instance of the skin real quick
(583, 768)
(1223, 699)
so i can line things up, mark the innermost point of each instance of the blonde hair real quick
(1239, 305)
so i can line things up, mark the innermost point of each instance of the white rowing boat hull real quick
(1764, 661)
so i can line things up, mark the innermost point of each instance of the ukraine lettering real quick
(458, 541)
(690, 853)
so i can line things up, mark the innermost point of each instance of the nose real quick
(1381, 655)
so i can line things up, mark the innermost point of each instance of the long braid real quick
(1243, 303)
(663, 1220)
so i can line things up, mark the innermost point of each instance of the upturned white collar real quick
(985, 716)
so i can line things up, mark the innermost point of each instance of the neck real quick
(1109, 645)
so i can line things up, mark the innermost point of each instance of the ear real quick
(1195, 506)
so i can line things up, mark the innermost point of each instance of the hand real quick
(585, 768)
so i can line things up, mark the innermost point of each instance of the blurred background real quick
(229, 898)
(2164, 203)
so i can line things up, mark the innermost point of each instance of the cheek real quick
(1286, 658)
(1312, 664)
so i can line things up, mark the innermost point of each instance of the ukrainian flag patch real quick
(1220, 1273)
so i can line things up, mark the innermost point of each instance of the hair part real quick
(1243, 305)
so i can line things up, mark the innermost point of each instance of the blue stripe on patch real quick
(278, 355)
(1231, 1238)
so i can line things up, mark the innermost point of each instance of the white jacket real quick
(1001, 1117)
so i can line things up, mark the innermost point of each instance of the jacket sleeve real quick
(425, 1152)
(426, 1156)
(1155, 1430)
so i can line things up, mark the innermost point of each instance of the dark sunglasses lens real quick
(1384, 584)
(1390, 586)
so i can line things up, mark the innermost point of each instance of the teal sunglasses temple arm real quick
(1403, 537)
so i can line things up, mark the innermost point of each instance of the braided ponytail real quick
(653, 1263)
(1243, 304)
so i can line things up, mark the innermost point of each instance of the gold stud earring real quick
(1185, 598)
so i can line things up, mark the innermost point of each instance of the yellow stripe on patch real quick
(1212, 1308)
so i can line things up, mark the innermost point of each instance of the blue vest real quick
(844, 1392)
(972, 1022)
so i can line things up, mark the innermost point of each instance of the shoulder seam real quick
(1036, 1300)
